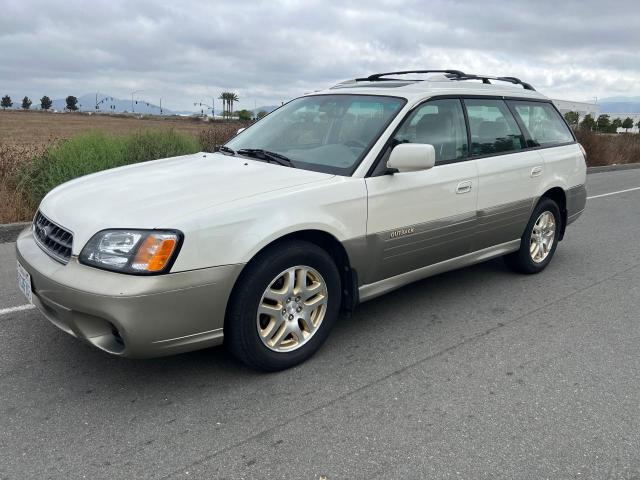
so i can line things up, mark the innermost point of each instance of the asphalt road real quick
(478, 373)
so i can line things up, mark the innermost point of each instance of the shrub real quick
(92, 152)
(604, 149)
(14, 208)
(218, 134)
(153, 145)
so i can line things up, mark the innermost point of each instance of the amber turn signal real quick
(155, 252)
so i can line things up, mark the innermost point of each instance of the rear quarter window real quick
(543, 122)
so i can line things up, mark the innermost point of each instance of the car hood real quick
(145, 195)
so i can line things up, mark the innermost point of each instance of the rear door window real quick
(543, 123)
(493, 128)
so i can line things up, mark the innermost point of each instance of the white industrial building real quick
(583, 108)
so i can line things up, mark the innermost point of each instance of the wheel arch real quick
(333, 247)
(558, 195)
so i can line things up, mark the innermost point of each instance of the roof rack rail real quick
(377, 77)
(451, 74)
(487, 79)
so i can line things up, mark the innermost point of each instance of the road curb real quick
(9, 231)
(613, 168)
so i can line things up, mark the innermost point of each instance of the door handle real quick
(464, 187)
(536, 171)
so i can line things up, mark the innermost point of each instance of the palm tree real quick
(228, 99)
(232, 98)
(223, 97)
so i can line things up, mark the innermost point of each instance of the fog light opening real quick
(110, 341)
(116, 335)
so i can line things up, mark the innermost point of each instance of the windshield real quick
(325, 133)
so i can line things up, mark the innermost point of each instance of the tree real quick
(244, 115)
(224, 96)
(638, 125)
(6, 102)
(572, 118)
(261, 114)
(72, 103)
(45, 103)
(232, 99)
(588, 123)
(26, 103)
(228, 99)
(627, 124)
(603, 124)
(615, 125)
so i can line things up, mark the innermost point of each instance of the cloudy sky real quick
(271, 51)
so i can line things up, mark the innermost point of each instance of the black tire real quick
(521, 261)
(241, 334)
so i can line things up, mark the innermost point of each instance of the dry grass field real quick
(27, 134)
(37, 128)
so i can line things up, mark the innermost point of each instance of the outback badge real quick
(402, 231)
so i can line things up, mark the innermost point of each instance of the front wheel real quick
(283, 306)
(540, 239)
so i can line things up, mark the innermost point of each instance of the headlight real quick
(132, 251)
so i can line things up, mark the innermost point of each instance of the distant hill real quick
(267, 109)
(620, 105)
(87, 103)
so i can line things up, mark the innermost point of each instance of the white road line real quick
(614, 193)
(6, 311)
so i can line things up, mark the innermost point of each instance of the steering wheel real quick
(354, 144)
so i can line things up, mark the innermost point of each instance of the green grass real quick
(93, 152)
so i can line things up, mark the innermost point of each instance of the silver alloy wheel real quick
(292, 308)
(542, 236)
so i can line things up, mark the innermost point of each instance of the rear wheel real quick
(540, 239)
(284, 305)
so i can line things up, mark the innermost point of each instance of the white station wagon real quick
(333, 199)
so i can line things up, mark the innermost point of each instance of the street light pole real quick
(209, 107)
(133, 109)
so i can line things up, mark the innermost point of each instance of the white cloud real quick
(271, 51)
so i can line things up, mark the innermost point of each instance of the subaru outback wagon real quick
(332, 199)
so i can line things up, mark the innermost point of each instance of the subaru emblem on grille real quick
(55, 240)
(43, 232)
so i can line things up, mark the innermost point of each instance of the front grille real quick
(52, 238)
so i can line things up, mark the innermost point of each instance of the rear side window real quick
(439, 123)
(543, 123)
(493, 128)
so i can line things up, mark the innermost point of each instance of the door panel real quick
(420, 218)
(508, 176)
(508, 186)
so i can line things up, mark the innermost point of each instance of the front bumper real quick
(131, 316)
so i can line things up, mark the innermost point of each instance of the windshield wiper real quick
(261, 154)
(225, 149)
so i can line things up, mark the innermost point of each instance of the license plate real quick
(24, 283)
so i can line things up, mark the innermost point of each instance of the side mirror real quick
(410, 157)
(240, 130)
